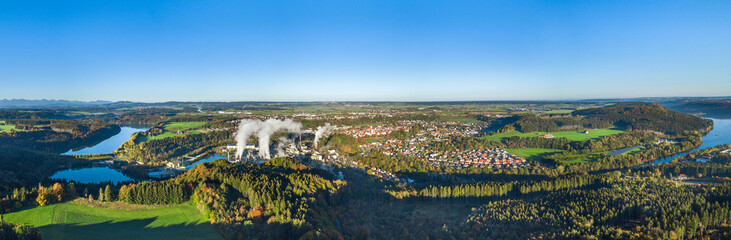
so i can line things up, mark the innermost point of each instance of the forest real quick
(607, 197)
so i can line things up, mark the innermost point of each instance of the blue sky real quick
(363, 50)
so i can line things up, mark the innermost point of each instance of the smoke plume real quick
(264, 131)
(283, 143)
(321, 130)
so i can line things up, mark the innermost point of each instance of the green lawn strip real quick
(73, 221)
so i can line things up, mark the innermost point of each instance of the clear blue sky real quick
(363, 50)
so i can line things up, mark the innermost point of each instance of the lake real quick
(110, 144)
(92, 175)
(721, 134)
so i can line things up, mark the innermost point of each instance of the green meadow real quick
(571, 135)
(186, 128)
(72, 220)
(6, 128)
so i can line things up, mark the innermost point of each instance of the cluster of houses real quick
(438, 131)
(431, 132)
(491, 158)
(373, 131)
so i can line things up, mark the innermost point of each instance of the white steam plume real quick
(282, 143)
(264, 131)
(321, 130)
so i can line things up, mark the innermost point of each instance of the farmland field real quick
(72, 220)
(186, 128)
(571, 135)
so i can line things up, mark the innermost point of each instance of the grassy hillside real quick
(571, 135)
(186, 128)
(72, 220)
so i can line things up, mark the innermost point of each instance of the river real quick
(110, 144)
(720, 134)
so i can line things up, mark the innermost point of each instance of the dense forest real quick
(623, 210)
(56, 135)
(24, 167)
(277, 200)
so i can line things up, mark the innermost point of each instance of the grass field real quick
(71, 220)
(533, 153)
(7, 128)
(572, 135)
(172, 128)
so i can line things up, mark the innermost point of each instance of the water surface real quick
(92, 175)
(721, 134)
(110, 144)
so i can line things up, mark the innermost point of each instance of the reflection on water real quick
(110, 144)
(92, 175)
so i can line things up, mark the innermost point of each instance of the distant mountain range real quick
(46, 103)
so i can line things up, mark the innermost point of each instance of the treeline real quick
(9, 231)
(74, 134)
(23, 167)
(165, 192)
(688, 168)
(276, 200)
(11, 114)
(40, 195)
(568, 182)
(532, 123)
(623, 210)
(494, 189)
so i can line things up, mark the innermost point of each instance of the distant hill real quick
(46, 103)
(713, 109)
